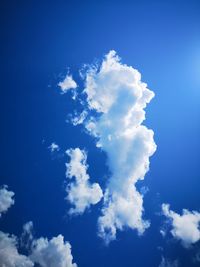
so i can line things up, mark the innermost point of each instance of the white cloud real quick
(52, 253)
(46, 253)
(168, 263)
(115, 91)
(54, 147)
(9, 255)
(6, 199)
(185, 227)
(81, 193)
(67, 84)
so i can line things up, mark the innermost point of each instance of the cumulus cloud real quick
(6, 199)
(52, 253)
(167, 263)
(54, 147)
(9, 255)
(80, 192)
(185, 227)
(118, 96)
(45, 253)
(67, 84)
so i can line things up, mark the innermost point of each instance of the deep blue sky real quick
(39, 41)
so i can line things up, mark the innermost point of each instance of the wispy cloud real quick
(116, 93)
(78, 118)
(80, 192)
(168, 263)
(26, 238)
(54, 147)
(196, 258)
(185, 227)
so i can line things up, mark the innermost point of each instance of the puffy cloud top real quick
(185, 227)
(114, 84)
(6, 199)
(47, 253)
(9, 255)
(52, 253)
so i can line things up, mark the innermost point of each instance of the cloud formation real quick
(46, 253)
(185, 227)
(9, 255)
(67, 84)
(118, 96)
(52, 253)
(80, 192)
(6, 199)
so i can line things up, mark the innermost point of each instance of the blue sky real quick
(42, 42)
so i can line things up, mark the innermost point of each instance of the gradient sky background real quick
(40, 40)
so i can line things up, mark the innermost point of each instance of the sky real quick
(100, 108)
